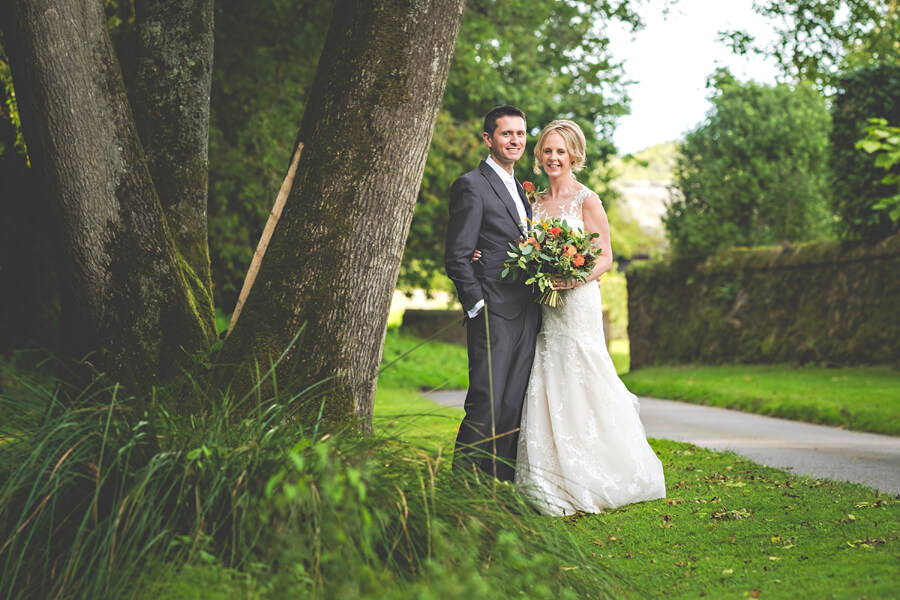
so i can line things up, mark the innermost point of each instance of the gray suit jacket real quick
(483, 216)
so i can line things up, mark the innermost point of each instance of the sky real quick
(669, 61)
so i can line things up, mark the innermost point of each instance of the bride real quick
(582, 445)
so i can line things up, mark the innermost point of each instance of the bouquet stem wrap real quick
(551, 298)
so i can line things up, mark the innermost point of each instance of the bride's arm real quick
(595, 221)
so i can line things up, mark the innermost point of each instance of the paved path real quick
(802, 448)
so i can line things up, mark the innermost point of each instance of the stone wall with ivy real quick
(828, 303)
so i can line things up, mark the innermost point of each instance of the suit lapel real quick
(500, 189)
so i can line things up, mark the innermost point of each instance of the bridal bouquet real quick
(552, 249)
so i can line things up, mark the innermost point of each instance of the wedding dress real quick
(582, 445)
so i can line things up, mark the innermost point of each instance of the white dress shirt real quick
(509, 180)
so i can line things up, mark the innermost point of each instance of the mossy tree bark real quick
(170, 100)
(124, 287)
(333, 260)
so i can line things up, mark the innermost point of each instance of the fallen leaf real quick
(732, 515)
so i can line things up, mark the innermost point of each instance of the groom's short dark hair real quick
(490, 119)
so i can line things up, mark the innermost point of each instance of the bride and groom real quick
(545, 407)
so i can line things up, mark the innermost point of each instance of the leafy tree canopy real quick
(817, 40)
(755, 172)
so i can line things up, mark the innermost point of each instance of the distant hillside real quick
(642, 182)
(652, 164)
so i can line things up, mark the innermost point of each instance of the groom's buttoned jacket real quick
(484, 217)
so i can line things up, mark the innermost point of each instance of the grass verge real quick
(174, 495)
(411, 363)
(860, 398)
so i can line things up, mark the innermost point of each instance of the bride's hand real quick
(560, 283)
(475, 255)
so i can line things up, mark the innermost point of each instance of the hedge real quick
(830, 303)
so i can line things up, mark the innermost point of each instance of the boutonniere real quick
(531, 192)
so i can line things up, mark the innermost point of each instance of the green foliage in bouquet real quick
(552, 250)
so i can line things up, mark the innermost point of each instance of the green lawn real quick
(407, 363)
(862, 398)
(730, 528)
(408, 369)
(405, 415)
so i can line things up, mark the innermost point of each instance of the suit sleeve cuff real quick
(473, 312)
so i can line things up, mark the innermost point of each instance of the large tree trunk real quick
(334, 257)
(124, 290)
(170, 100)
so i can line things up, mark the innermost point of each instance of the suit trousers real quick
(489, 434)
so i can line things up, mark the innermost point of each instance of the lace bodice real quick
(567, 208)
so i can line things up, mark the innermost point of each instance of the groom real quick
(487, 211)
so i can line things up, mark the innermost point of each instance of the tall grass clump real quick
(110, 495)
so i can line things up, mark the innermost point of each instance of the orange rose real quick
(569, 250)
(554, 231)
(578, 260)
(528, 186)
(533, 242)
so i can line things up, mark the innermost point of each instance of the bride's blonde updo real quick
(571, 135)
